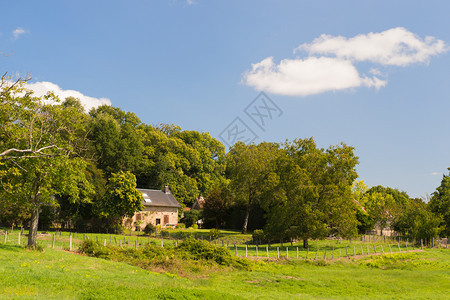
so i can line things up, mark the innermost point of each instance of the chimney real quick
(166, 189)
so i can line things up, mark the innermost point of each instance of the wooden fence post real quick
(53, 241)
(278, 252)
(104, 242)
(399, 250)
(235, 250)
(267, 251)
(6, 236)
(18, 240)
(317, 253)
(135, 244)
(70, 242)
(382, 250)
(297, 252)
(256, 250)
(339, 252)
(421, 244)
(367, 249)
(390, 250)
(325, 255)
(246, 249)
(287, 252)
(362, 252)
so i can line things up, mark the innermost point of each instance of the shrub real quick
(92, 248)
(165, 233)
(258, 236)
(195, 226)
(149, 228)
(214, 233)
(181, 225)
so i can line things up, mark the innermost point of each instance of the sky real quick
(371, 74)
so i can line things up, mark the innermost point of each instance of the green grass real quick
(56, 274)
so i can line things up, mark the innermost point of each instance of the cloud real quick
(396, 46)
(435, 173)
(190, 2)
(18, 32)
(313, 75)
(331, 62)
(43, 87)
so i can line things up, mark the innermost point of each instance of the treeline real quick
(60, 164)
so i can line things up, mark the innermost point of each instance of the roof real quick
(159, 198)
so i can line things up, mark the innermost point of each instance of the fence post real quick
(346, 251)
(367, 246)
(399, 250)
(70, 242)
(267, 251)
(339, 252)
(325, 255)
(421, 244)
(362, 252)
(246, 249)
(256, 250)
(317, 253)
(162, 241)
(135, 244)
(6, 236)
(307, 252)
(297, 252)
(53, 241)
(287, 252)
(390, 250)
(18, 240)
(235, 250)
(104, 242)
(278, 252)
(382, 250)
(406, 246)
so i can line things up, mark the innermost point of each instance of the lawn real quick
(57, 274)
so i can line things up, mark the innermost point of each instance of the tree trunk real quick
(305, 243)
(247, 214)
(32, 235)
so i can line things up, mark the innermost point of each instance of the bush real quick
(195, 226)
(165, 233)
(181, 225)
(258, 236)
(91, 248)
(191, 217)
(214, 233)
(149, 229)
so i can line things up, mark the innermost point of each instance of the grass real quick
(56, 274)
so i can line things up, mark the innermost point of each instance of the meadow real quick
(59, 274)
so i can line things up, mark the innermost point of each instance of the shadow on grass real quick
(14, 248)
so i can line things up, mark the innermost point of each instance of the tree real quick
(440, 203)
(121, 198)
(417, 221)
(41, 144)
(217, 206)
(311, 192)
(249, 168)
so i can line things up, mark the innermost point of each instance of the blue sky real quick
(372, 74)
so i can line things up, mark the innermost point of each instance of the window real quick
(158, 222)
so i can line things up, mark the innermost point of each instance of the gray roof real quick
(159, 198)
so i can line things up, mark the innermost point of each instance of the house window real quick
(158, 222)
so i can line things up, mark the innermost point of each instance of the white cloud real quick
(190, 2)
(435, 173)
(396, 46)
(331, 62)
(43, 87)
(18, 32)
(313, 75)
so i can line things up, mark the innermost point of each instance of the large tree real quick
(249, 168)
(440, 203)
(40, 148)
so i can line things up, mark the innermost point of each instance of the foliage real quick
(122, 199)
(191, 217)
(418, 222)
(258, 236)
(214, 233)
(440, 203)
(149, 229)
(165, 233)
(218, 202)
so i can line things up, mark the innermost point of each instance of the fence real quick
(367, 245)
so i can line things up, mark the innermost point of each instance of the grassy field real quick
(57, 274)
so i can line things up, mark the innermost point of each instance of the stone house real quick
(160, 208)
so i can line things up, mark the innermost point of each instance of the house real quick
(160, 208)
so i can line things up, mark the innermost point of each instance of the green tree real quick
(249, 167)
(440, 203)
(121, 198)
(41, 142)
